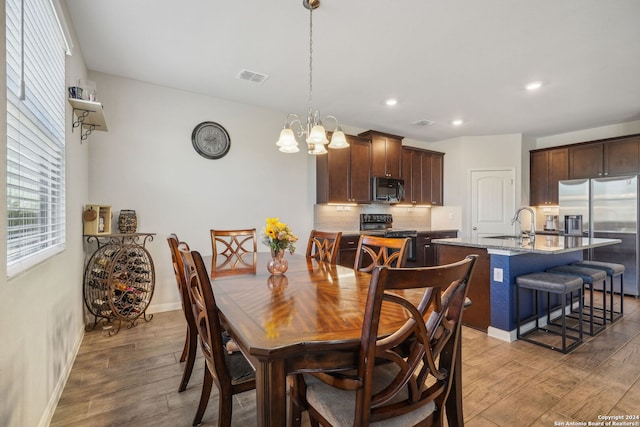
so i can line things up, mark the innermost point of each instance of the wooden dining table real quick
(308, 319)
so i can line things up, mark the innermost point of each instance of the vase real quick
(277, 264)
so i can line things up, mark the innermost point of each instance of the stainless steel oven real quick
(381, 224)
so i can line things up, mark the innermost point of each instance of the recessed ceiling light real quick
(533, 86)
(457, 122)
(391, 102)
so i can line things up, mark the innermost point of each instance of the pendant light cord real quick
(310, 56)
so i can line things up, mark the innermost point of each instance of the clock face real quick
(211, 140)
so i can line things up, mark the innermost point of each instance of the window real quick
(35, 133)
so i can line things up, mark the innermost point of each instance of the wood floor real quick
(131, 379)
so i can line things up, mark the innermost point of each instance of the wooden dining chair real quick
(191, 339)
(234, 252)
(413, 373)
(375, 250)
(324, 246)
(231, 373)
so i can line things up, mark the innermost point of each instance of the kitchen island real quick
(492, 289)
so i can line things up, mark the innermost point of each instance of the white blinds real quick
(35, 134)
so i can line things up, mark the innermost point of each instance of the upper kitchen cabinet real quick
(343, 175)
(619, 156)
(422, 174)
(547, 167)
(386, 155)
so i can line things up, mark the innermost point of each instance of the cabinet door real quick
(437, 182)
(347, 251)
(558, 170)
(338, 171)
(538, 177)
(622, 157)
(360, 172)
(407, 174)
(386, 156)
(585, 161)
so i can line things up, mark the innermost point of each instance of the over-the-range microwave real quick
(387, 190)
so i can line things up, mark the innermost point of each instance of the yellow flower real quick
(278, 235)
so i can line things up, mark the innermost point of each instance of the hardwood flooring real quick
(132, 378)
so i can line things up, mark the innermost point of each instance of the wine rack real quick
(119, 280)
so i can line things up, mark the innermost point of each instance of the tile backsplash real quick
(347, 218)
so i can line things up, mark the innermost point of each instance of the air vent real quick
(252, 76)
(424, 123)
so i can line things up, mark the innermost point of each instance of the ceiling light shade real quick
(312, 130)
(287, 139)
(533, 86)
(317, 149)
(317, 135)
(289, 149)
(338, 140)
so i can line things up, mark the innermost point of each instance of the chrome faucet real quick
(532, 233)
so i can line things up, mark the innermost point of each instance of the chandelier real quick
(313, 130)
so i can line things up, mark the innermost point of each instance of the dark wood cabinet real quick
(612, 157)
(426, 255)
(343, 175)
(547, 167)
(422, 173)
(386, 154)
(347, 250)
(478, 315)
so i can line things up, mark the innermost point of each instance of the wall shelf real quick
(89, 117)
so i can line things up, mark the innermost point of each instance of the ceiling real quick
(441, 60)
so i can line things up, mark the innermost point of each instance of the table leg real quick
(271, 393)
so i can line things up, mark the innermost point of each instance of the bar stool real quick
(589, 276)
(612, 270)
(559, 284)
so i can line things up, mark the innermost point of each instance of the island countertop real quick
(543, 244)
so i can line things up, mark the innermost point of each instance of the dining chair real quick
(413, 373)
(234, 252)
(231, 373)
(324, 245)
(190, 343)
(375, 250)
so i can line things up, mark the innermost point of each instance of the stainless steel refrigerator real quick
(609, 207)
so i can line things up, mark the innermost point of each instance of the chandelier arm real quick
(335, 120)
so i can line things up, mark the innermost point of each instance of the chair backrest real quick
(422, 360)
(375, 250)
(323, 246)
(205, 313)
(234, 252)
(178, 270)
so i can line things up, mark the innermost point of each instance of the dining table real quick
(307, 319)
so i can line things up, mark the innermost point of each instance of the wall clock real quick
(210, 140)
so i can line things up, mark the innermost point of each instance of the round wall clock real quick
(211, 140)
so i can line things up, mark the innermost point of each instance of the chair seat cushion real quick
(557, 283)
(588, 275)
(338, 406)
(239, 368)
(611, 268)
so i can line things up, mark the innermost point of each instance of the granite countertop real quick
(543, 244)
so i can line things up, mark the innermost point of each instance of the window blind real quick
(35, 134)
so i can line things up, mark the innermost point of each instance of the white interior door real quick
(492, 202)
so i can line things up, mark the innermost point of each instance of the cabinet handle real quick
(352, 243)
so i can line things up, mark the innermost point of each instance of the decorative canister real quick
(127, 221)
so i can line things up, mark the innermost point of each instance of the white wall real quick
(467, 153)
(611, 131)
(41, 320)
(146, 162)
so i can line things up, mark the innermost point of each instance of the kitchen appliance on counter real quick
(382, 225)
(551, 222)
(609, 209)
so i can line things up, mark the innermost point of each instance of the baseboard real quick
(45, 420)
(501, 334)
(159, 308)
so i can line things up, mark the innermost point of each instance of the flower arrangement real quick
(278, 235)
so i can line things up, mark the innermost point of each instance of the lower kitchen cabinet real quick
(478, 315)
(426, 251)
(348, 248)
